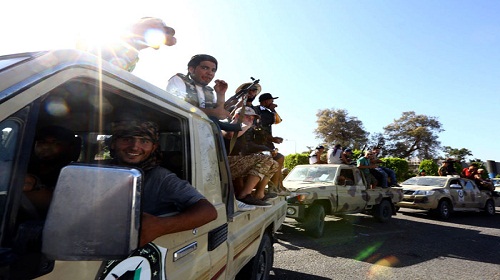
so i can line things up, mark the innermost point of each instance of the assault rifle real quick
(234, 99)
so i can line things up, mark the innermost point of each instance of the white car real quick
(496, 183)
(443, 195)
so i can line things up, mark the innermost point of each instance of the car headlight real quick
(299, 196)
(420, 192)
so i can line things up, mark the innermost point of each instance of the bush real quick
(295, 159)
(400, 167)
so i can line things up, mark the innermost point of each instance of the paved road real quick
(413, 245)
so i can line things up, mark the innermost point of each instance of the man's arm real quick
(126, 53)
(343, 158)
(177, 87)
(195, 216)
(360, 164)
(219, 111)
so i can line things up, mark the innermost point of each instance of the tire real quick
(444, 210)
(315, 221)
(489, 208)
(383, 212)
(259, 267)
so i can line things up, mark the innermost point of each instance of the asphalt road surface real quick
(412, 245)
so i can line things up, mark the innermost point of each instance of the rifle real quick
(354, 162)
(234, 99)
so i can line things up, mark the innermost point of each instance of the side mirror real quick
(455, 186)
(94, 214)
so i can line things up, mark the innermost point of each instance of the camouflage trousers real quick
(255, 164)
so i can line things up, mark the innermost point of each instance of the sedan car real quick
(443, 195)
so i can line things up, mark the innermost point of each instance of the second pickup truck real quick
(335, 189)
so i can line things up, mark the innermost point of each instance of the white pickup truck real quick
(94, 214)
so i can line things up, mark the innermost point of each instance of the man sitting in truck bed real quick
(134, 143)
(246, 160)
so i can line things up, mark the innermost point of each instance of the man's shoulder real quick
(256, 108)
(178, 77)
(159, 171)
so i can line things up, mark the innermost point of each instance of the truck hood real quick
(420, 187)
(305, 185)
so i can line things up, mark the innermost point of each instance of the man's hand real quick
(141, 31)
(277, 140)
(220, 88)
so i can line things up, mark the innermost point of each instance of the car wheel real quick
(489, 208)
(444, 209)
(383, 211)
(315, 221)
(260, 265)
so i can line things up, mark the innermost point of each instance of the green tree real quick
(413, 135)
(335, 126)
(458, 154)
(430, 167)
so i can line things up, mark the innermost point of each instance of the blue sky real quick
(375, 59)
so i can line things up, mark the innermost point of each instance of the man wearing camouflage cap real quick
(134, 143)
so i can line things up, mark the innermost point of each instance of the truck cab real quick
(94, 213)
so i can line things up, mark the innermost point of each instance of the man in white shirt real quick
(193, 87)
(334, 155)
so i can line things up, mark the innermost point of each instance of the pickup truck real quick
(95, 213)
(442, 195)
(334, 189)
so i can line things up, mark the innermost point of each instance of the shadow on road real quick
(407, 239)
(463, 218)
(278, 273)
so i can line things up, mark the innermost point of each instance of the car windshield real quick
(496, 182)
(426, 181)
(312, 174)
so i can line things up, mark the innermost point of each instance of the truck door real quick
(458, 193)
(473, 197)
(350, 190)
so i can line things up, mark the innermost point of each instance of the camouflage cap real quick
(135, 128)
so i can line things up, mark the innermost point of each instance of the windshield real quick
(312, 174)
(426, 181)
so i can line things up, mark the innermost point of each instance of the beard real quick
(250, 99)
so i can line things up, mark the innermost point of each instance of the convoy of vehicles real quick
(95, 212)
(95, 215)
(335, 189)
(444, 195)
